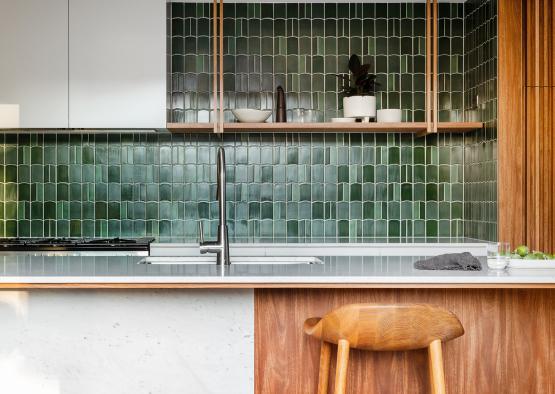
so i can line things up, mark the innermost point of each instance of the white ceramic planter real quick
(359, 107)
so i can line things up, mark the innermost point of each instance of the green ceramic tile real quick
(480, 180)
(282, 186)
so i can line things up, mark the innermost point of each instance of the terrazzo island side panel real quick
(127, 342)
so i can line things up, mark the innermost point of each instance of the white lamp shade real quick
(9, 116)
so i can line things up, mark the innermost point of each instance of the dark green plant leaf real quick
(354, 63)
(360, 83)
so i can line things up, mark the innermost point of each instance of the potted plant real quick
(358, 91)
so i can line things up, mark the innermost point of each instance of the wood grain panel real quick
(540, 210)
(540, 38)
(221, 71)
(508, 346)
(215, 85)
(533, 122)
(539, 123)
(431, 68)
(428, 67)
(402, 127)
(435, 90)
(525, 342)
(539, 53)
(526, 170)
(511, 132)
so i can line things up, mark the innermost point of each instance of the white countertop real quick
(335, 270)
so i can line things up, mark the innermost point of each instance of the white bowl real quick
(247, 115)
(389, 115)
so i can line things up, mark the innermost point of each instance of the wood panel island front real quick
(508, 345)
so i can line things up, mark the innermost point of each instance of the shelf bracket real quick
(431, 66)
(218, 65)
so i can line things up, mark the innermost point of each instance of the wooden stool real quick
(382, 328)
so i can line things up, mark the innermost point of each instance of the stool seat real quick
(379, 327)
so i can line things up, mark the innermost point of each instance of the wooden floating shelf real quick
(403, 127)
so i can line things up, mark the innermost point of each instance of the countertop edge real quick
(246, 286)
(242, 283)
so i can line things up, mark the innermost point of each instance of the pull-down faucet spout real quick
(221, 245)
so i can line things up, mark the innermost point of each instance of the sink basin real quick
(235, 260)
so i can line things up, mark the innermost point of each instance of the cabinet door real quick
(117, 63)
(33, 61)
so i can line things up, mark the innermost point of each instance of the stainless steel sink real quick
(237, 260)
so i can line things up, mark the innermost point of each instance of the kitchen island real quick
(25, 272)
(238, 329)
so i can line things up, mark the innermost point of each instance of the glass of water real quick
(295, 115)
(313, 116)
(499, 255)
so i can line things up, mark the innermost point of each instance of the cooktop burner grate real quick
(75, 244)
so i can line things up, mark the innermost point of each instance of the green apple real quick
(522, 250)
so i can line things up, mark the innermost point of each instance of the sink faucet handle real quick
(200, 232)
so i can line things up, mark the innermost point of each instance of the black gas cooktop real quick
(75, 244)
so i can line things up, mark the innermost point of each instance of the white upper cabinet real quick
(117, 63)
(34, 61)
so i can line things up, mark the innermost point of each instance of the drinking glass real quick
(295, 115)
(313, 116)
(499, 255)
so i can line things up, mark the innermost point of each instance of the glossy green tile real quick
(431, 228)
(480, 80)
(343, 186)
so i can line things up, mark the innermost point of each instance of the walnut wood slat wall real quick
(540, 173)
(540, 148)
(526, 145)
(507, 348)
(511, 173)
(540, 39)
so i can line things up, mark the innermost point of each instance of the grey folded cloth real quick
(451, 261)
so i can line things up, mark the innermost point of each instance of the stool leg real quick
(435, 359)
(341, 369)
(323, 375)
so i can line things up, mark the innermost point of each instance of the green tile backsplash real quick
(451, 62)
(481, 100)
(302, 46)
(281, 187)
